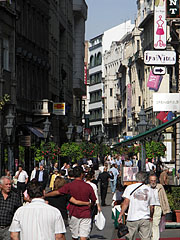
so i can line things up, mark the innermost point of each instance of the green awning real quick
(149, 133)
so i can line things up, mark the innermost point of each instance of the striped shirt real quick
(37, 221)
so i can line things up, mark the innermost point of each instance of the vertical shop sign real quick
(160, 24)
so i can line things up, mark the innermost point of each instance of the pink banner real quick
(154, 81)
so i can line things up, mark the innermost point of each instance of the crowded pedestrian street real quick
(89, 119)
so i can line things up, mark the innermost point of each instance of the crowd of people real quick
(43, 205)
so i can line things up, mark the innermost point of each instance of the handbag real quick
(100, 220)
(122, 230)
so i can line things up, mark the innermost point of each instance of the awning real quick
(36, 131)
(148, 133)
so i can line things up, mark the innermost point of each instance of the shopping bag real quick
(122, 230)
(162, 223)
(100, 220)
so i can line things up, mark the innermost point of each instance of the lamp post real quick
(142, 126)
(46, 131)
(9, 127)
(69, 132)
(86, 136)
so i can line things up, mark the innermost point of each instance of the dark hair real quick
(70, 173)
(89, 176)
(63, 172)
(20, 165)
(34, 189)
(77, 171)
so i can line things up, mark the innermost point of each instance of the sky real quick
(105, 14)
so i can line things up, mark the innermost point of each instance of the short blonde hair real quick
(59, 182)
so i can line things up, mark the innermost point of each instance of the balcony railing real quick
(43, 107)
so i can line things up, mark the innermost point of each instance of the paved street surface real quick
(110, 233)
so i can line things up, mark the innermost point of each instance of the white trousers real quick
(155, 223)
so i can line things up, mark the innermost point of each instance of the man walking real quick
(104, 180)
(113, 181)
(161, 205)
(37, 220)
(42, 176)
(9, 202)
(140, 200)
(80, 216)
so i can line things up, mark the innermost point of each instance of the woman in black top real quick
(61, 201)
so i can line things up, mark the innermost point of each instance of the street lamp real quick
(142, 126)
(9, 127)
(86, 136)
(47, 124)
(70, 131)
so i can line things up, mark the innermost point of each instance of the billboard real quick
(166, 102)
(59, 108)
(172, 9)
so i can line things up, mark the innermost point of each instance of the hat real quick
(56, 170)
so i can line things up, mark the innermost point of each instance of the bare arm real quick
(52, 194)
(151, 211)
(78, 202)
(125, 205)
(14, 235)
(26, 180)
(60, 236)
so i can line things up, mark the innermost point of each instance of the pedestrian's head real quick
(37, 166)
(56, 171)
(105, 169)
(5, 184)
(41, 167)
(78, 172)
(20, 167)
(35, 190)
(56, 165)
(89, 176)
(63, 173)
(59, 182)
(153, 180)
(141, 176)
(70, 173)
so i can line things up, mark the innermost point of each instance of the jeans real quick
(113, 185)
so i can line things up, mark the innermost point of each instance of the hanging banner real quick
(160, 24)
(154, 81)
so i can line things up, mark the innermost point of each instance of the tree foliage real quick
(72, 151)
(4, 100)
(155, 149)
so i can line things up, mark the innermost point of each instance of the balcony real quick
(42, 108)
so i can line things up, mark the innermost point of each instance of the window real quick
(111, 92)
(138, 45)
(139, 101)
(6, 54)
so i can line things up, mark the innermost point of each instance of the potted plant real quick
(174, 201)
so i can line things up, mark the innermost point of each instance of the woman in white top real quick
(97, 208)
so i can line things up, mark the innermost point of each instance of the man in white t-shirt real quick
(150, 166)
(37, 220)
(140, 200)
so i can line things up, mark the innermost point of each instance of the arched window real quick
(99, 58)
(92, 61)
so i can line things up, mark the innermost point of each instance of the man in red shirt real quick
(80, 216)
